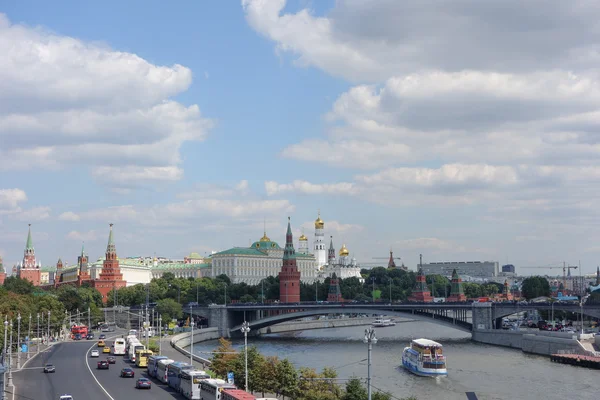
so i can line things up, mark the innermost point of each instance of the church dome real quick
(265, 238)
(319, 224)
(344, 252)
(303, 238)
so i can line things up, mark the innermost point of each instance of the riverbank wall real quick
(530, 340)
(294, 326)
(181, 342)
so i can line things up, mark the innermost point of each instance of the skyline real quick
(462, 132)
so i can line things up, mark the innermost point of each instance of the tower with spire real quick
(319, 244)
(82, 265)
(391, 263)
(456, 291)
(335, 293)
(111, 277)
(2, 272)
(331, 252)
(421, 291)
(303, 244)
(58, 278)
(289, 277)
(29, 268)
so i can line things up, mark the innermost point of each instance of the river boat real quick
(383, 322)
(424, 357)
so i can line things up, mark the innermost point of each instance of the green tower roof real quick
(29, 245)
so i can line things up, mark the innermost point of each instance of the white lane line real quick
(87, 362)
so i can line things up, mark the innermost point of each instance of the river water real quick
(489, 371)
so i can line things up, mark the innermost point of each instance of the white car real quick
(66, 397)
(95, 353)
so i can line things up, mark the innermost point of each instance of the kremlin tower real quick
(29, 269)
(421, 292)
(391, 263)
(111, 277)
(331, 252)
(335, 293)
(319, 245)
(456, 291)
(2, 272)
(82, 265)
(58, 275)
(289, 277)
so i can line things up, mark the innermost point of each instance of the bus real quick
(133, 348)
(212, 389)
(141, 357)
(236, 394)
(189, 386)
(162, 369)
(153, 364)
(119, 347)
(174, 373)
(79, 329)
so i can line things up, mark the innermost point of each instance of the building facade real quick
(476, 269)
(343, 267)
(259, 261)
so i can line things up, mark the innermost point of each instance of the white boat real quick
(424, 357)
(382, 322)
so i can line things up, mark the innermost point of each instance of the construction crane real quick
(565, 267)
(388, 258)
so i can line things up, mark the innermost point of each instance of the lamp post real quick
(10, 355)
(29, 336)
(197, 293)
(48, 337)
(225, 299)
(5, 343)
(160, 334)
(192, 338)
(262, 291)
(373, 293)
(316, 291)
(37, 347)
(147, 328)
(245, 330)
(18, 340)
(89, 319)
(390, 291)
(370, 339)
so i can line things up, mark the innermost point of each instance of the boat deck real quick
(577, 359)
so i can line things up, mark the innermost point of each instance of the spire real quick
(29, 245)
(289, 252)
(110, 247)
(331, 242)
(83, 249)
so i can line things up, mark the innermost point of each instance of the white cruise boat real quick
(382, 322)
(424, 357)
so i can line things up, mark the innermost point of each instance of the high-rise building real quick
(508, 268)
(289, 277)
(476, 269)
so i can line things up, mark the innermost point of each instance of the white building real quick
(262, 259)
(475, 269)
(344, 267)
(319, 243)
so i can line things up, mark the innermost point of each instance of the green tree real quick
(223, 357)
(19, 286)
(535, 286)
(169, 309)
(287, 379)
(354, 390)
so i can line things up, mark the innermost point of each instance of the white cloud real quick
(32, 214)
(66, 102)
(69, 216)
(88, 236)
(334, 228)
(11, 198)
(300, 186)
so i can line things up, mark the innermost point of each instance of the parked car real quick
(143, 383)
(49, 368)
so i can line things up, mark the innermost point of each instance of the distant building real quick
(193, 258)
(475, 269)
(343, 267)
(2, 272)
(508, 268)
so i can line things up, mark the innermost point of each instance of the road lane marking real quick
(87, 362)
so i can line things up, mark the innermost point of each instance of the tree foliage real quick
(535, 286)
(169, 309)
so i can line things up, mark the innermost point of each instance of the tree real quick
(535, 286)
(223, 357)
(17, 285)
(287, 379)
(169, 309)
(354, 390)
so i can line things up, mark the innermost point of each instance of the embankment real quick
(294, 326)
(530, 340)
(181, 341)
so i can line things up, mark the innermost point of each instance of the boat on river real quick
(424, 357)
(383, 322)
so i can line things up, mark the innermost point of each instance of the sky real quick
(461, 130)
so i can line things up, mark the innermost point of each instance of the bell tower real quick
(319, 244)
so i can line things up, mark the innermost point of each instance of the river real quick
(489, 371)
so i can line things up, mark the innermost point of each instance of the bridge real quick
(462, 316)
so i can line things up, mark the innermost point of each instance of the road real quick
(76, 374)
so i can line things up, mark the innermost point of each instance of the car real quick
(105, 329)
(95, 353)
(65, 397)
(143, 383)
(106, 350)
(78, 336)
(102, 336)
(103, 364)
(49, 368)
(127, 373)
(89, 336)
(111, 360)
(101, 343)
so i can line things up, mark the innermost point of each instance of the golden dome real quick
(344, 252)
(303, 238)
(319, 224)
(265, 238)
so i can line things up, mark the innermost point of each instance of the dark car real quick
(49, 368)
(143, 383)
(111, 360)
(127, 373)
(78, 337)
(103, 364)
(102, 336)
(89, 336)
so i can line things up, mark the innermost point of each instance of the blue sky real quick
(190, 125)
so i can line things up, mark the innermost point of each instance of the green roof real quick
(29, 245)
(48, 269)
(264, 245)
(195, 255)
(244, 251)
(180, 266)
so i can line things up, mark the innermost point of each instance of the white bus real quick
(162, 369)
(189, 385)
(119, 347)
(133, 347)
(212, 389)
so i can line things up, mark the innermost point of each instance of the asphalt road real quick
(76, 374)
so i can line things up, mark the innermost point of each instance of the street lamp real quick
(37, 347)
(48, 337)
(316, 290)
(18, 340)
(192, 338)
(373, 293)
(225, 299)
(10, 355)
(370, 339)
(89, 319)
(160, 334)
(245, 330)
(29, 336)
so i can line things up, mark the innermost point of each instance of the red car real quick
(103, 364)
(127, 373)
